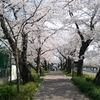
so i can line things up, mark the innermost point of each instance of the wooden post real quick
(17, 69)
(10, 57)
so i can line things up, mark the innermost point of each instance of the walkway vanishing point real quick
(57, 86)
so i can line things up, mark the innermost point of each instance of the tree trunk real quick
(61, 64)
(45, 65)
(69, 65)
(81, 56)
(26, 73)
(48, 66)
(79, 68)
(97, 78)
(66, 65)
(38, 62)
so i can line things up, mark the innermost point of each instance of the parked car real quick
(54, 68)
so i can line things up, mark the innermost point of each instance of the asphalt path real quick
(57, 86)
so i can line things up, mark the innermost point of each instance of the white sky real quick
(93, 47)
(55, 24)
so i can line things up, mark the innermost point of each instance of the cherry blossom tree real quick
(87, 26)
(17, 21)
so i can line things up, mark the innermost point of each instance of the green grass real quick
(66, 73)
(7, 91)
(88, 77)
(87, 87)
(27, 91)
(46, 71)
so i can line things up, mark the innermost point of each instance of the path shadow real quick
(57, 87)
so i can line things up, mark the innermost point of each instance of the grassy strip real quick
(87, 87)
(8, 92)
(46, 71)
(27, 91)
(66, 73)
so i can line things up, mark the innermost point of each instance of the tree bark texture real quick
(97, 78)
(81, 56)
(38, 61)
(69, 65)
(45, 65)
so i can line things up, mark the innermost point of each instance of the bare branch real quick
(39, 18)
(62, 54)
(77, 27)
(48, 37)
(33, 13)
(92, 18)
(15, 12)
(7, 34)
(10, 29)
(47, 51)
(5, 44)
(25, 22)
(32, 41)
(68, 3)
(78, 31)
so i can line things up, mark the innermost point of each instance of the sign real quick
(13, 72)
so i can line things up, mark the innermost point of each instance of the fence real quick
(5, 64)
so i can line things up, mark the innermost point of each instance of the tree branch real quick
(48, 37)
(68, 3)
(77, 27)
(79, 32)
(92, 18)
(47, 51)
(7, 34)
(10, 29)
(62, 54)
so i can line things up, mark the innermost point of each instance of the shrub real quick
(88, 77)
(26, 92)
(34, 75)
(7, 92)
(95, 95)
(46, 71)
(29, 88)
(66, 73)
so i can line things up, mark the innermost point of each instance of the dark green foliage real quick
(66, 73)
(87, 87)
(83, 84)
(7, 92)
(26, 92)
(34, 75)
(88, 77)
(46, 71)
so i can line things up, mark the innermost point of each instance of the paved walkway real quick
(57, 86)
